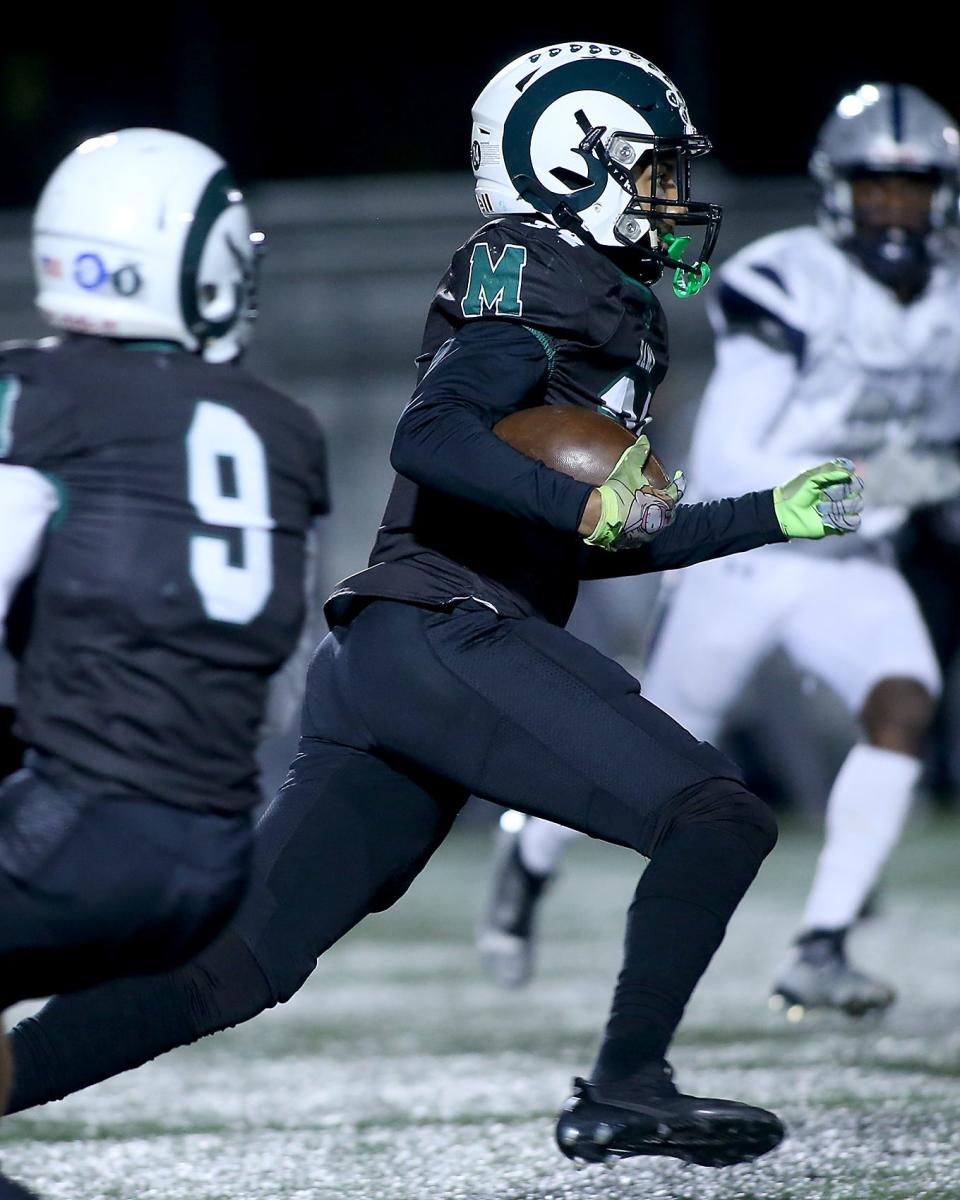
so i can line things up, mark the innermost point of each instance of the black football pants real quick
(408, 711)
(95, 887)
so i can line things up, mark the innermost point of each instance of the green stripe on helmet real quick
(214, 201)
(620, 78)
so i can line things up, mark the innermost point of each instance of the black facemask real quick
(635, 261)
(897, 258)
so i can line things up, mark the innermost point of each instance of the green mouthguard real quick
(685, 282)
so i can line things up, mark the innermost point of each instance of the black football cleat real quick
(600, 1125)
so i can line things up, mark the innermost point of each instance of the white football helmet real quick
(889, 129)
(142, 233)
(886, 128)
(559, 130)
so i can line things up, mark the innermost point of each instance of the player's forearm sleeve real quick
(444, 439)
(699, 532)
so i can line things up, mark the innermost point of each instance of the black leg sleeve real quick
(86, 1037)
(345, 836)
(710, 849)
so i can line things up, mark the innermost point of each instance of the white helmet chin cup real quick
(142, 234)
(530, 120)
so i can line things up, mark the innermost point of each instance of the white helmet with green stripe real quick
(560, 130)
(142, 234)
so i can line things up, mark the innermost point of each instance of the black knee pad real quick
(226, 986)
(724, 805)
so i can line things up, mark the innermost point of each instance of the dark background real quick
(290, 91)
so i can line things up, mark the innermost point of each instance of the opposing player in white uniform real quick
(842, 335)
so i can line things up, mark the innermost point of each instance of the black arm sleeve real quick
(699, 532)
(444, 440)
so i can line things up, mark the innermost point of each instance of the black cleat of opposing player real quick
(649, 1116)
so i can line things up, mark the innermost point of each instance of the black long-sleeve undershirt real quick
(444, 441)
(699, 532)
(471, 516)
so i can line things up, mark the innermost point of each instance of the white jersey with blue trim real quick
(816, 359)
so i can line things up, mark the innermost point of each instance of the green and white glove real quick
(632, 510)
(825, 500)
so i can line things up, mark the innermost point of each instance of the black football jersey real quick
(170, 585)
(604, 333)
(527, 314)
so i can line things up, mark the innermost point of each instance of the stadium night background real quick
(400, 1072)
(282, 97)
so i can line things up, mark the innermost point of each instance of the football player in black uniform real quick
(157, 504)
(448, 670)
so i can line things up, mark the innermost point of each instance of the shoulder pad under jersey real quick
(532, 272)
(778, 289)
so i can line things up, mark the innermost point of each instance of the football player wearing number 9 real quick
(157, 504)
(448, 671)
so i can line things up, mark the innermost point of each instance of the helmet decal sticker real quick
(89, 271)
(596, 75)
(127, 280)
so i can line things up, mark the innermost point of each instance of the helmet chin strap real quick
(651, 263)
(688, 279)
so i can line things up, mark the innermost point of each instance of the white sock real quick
(542, 844)
(866, 811)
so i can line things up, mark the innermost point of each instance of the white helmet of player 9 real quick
(561, 130)
(142, 233)
(887, 129)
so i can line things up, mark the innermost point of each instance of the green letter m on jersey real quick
(495, 287)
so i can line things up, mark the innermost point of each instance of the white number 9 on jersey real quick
(227, 479)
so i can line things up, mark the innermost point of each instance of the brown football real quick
(576, 441)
